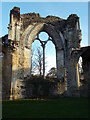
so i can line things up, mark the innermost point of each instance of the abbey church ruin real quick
(16, 50)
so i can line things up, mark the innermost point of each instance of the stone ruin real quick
(16, 47)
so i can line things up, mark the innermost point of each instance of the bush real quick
(37, 87)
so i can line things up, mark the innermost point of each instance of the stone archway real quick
(57, 40)
(66, 35)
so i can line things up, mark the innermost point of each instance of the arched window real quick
(44, 48)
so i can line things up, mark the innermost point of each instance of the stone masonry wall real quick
(65, 34)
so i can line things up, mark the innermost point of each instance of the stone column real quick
(27, 62)
(86, 72)
(6, 73)
(86, 68)
(73, 77)
(43, 61)
(14, 19)
(60, 63)
(15, 71)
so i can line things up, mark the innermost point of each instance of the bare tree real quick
(37, 61)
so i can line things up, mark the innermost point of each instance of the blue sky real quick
(60, 9)
(89, 24)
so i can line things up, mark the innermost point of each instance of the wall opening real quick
(43, 46)
(81, 74)
(43, 36)
(36, 47)
(51, 60)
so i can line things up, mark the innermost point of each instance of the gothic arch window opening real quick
(42, 40)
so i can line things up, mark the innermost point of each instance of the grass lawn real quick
(57, 108)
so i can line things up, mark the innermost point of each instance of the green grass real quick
(57, 108)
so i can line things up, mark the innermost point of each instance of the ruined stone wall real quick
(65, 34)
(86, 67)
(6, 73)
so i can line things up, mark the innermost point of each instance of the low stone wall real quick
(39, 88)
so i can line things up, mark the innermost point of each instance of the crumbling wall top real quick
(16, 14)
(72, 19)
(31, 18)
(15, 9)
